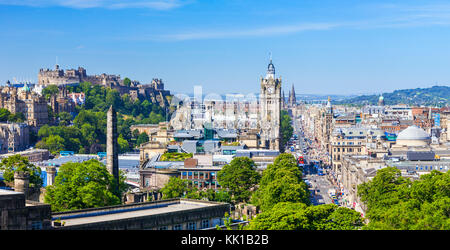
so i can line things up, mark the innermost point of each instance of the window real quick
(191, 226)
(177, 227)
(163, 228)
(36, 225)
(205, 223)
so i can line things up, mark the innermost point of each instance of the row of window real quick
(348, 149)
(431, 167)
(192, 225)
(348, 143)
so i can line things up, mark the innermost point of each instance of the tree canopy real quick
(396, 202)
(177, 188)
(239, 177)
(286, 128)
(89, 120)
(17, 162)
(299, 216)
(83, 185)
(182, 188)
(281, 182)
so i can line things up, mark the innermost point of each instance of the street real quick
(319, 185)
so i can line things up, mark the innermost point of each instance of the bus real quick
(300, 159)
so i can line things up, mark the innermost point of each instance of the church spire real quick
(292, 99)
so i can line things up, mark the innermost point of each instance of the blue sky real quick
(322, 47)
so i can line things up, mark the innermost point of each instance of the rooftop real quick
(90, 216)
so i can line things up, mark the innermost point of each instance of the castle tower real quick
(112, 158)
(269, 109)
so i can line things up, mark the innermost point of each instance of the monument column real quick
(112, 159)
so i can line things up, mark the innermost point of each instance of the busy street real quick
(324, 189)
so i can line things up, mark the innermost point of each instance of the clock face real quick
(270, 90)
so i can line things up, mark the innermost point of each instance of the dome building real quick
(381, 101)
(413, 136)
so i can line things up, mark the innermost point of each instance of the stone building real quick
(156, 132)
(355, 141)
(357, 169)
(74, 76)
(153, 92)
(23, 100)
(17, 213)
(14, 137)
(62, 102)
(33, 155)
(172, 214)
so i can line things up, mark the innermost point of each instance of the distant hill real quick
(435, 96)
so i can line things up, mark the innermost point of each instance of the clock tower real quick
(269, 109)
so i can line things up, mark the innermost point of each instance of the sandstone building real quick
(23, 100)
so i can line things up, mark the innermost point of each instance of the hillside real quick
(434, 96)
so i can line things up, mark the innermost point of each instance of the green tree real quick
(123, 144)
(17, 162)
(50, 90)
(127, 81)
(281, 182)
(177, 187)
(299, 216)
(54, 143)
(64, 118)
(16, 117)
(239, 177)
(142, 138)
(113, 98)
(286, 128)
(4, 114)
(396, 202)
(82, 185)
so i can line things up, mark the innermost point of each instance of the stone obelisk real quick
(112, 158)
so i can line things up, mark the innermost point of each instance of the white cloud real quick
(107, 4)
(264, 31)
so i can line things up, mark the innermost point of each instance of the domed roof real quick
(413, 133)
(25, 88)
